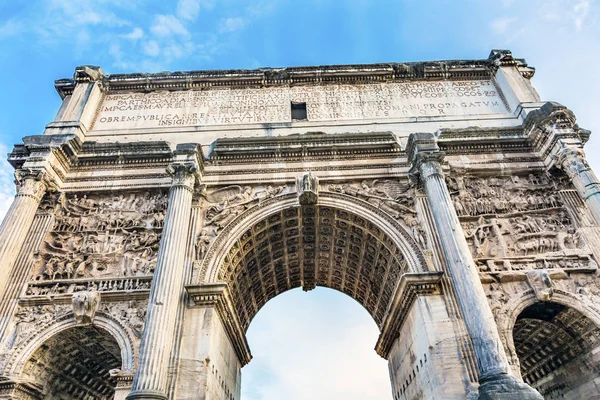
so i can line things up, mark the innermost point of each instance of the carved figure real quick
(540, 282)
(202, 243)
(308, 189)
(85, 305)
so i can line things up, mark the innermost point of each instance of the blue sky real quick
(41, 41)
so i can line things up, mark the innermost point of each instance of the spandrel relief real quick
(98, 237)
(226, 203)
(395, 198)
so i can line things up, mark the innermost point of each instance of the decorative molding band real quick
(217, 295)
(410, 287)
(60, 291)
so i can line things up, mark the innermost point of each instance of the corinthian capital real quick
(32, 183)
(184, 174)
(186, 168)
(425, 155)
(571, 159)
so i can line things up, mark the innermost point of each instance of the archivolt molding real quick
(391, 227)
(32, 342)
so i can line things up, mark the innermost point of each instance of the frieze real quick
(68, 286)
(473, 196)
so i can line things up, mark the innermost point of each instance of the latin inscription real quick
(323, 103)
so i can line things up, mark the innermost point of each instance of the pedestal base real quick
(147, 396)
(506, 387)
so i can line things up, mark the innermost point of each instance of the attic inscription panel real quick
(323, 103)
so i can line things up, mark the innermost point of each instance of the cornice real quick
(410, 287)
(217, 295)
(483, 140)
(262, 77)
(312, 146)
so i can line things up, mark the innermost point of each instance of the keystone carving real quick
(85, 305)
(308, 187)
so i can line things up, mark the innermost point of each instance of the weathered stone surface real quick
(188, 200)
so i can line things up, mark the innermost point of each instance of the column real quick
(31, 186)
(150, 381)
(572, 160)
(495, 381)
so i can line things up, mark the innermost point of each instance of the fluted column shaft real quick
(31, 186)
(572, 160)
(479, 320)
(150, 381)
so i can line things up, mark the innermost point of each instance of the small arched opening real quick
(559, 351)
(75, 364)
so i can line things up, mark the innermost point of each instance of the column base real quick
(147, 396)
(507, 387)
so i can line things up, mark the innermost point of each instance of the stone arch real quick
(550, 340)
(289, 243)
(103, 322)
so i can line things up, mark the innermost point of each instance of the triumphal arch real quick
(158, 213)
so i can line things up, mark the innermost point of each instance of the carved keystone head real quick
(540, 282)
(308, 187)
(85, 305)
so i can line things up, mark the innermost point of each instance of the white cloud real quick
(12, 27)
(151, 48)
(581, 10)
(135, 34)
(232, 24)
(190, 9)
(168, 25)
(7, 186)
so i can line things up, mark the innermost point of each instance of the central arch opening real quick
(346, 245)
(317, 346)
(311, 246)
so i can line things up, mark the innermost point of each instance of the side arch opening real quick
(559, 351)
(75, 364)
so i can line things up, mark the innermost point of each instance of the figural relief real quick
(98, 237)
(519, 223)
(392, 197)
(224, 204)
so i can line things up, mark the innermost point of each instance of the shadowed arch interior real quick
(554, 344)
(75, 364)
(308, 246)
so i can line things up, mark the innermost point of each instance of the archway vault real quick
(341, 243)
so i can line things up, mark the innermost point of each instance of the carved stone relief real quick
(100, 236)
(393, 197)
(519, 223)
(226, 203)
